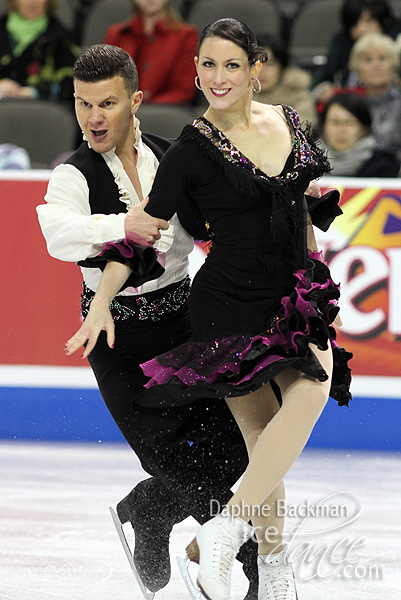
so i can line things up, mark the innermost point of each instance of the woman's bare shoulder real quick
(268, 114)
(260, 108)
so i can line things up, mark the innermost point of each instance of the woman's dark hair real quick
(379, 10)
(102, 61)
(238, 33)
(354, 104)
(279, 50)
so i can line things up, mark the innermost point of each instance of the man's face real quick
(104, 112)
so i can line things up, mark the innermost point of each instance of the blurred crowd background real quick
(337, 62)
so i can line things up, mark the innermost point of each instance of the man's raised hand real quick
(141, 228)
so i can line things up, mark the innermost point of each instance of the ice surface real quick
(57, 540)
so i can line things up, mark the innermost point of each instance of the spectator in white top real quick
(14, 157)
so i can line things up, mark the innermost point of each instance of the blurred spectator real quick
(163, 48)
(375, 58)
(346, 134)
(282, 84)
(359, 17)
(36, 53)
(14, 157)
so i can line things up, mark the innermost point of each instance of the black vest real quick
(104, 196)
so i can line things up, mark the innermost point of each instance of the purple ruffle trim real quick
(305, 316)
(143, 261)
(124, 248)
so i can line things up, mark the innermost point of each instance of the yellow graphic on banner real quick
(371, 220)
(382, 228)
(355, 211)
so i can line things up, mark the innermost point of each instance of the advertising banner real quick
(40, 295)
(363, 250)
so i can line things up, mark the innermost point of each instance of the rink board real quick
(77, 415)
(40, 311)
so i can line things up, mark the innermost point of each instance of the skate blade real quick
(193, 589)
(147, 594)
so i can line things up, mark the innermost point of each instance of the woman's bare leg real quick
(275, 447)
(252, 413)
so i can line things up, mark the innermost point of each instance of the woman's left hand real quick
(98, 319)
(313, 190)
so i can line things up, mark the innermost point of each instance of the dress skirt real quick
(237, 365)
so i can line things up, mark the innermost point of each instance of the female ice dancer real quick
(263, 304)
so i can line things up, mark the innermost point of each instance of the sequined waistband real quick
(152, 306)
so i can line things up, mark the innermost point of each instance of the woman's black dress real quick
(259, 299)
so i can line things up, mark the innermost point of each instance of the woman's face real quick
(341, 129)
(375, 69)
(365, 24)
(224, 73)
(31, 9)
(270, 73)
(151, 8)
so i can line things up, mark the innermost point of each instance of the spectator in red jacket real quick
(163, 48)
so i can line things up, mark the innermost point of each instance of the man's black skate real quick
(152, 516)
(147, 594)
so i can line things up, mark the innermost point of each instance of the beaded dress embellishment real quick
(303, 156)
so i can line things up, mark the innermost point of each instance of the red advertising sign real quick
(40, 295)
(39, 303)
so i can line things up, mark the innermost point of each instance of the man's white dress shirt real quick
(72, 233)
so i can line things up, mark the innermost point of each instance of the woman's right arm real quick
(99, 317)
(169, 190)
(166, 196)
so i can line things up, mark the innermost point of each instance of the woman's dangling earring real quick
(197, 83)
(259, 88)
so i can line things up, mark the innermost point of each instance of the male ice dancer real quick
(97, 197)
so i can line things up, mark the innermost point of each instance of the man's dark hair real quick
(102, 61)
